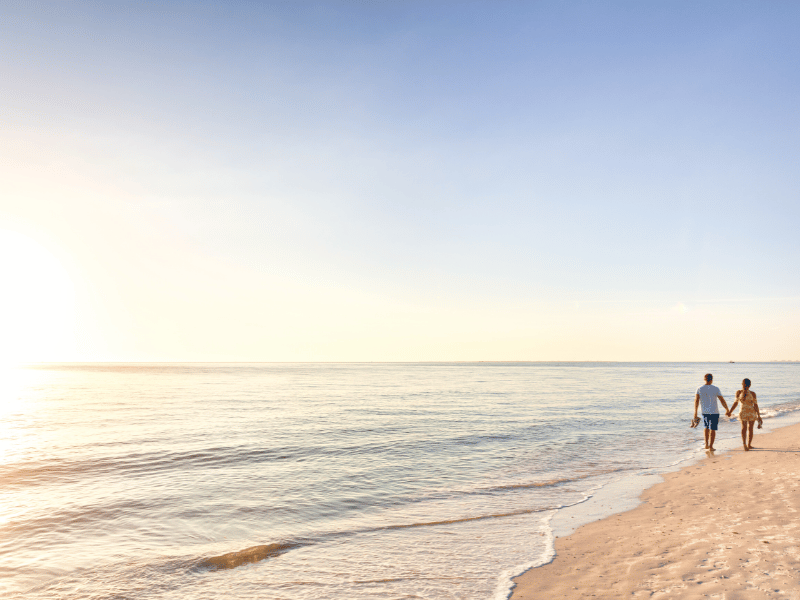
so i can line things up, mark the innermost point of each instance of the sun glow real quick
(37, 303)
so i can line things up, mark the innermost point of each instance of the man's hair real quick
(708, 377)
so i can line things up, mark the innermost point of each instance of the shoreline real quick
(725, 526)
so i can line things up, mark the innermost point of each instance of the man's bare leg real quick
(705, 435)
(711, 435)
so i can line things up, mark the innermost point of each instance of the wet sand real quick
(727, 527)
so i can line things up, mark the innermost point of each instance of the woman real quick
(748, 414)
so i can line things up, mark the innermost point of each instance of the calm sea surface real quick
(328, 481)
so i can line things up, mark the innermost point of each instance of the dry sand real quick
(727, 527)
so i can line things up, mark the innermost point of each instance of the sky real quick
(399, 181)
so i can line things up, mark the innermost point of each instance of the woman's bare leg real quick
(744, 435)
(750, 443)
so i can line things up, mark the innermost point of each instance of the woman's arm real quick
(755, 403)
(735, 404)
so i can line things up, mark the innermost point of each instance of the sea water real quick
(332, 481)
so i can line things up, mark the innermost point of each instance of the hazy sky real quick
(400, 180)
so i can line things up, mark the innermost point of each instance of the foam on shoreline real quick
(658, 545)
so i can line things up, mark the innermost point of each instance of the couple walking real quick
(707, 396)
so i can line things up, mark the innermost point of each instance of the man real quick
(706, 396)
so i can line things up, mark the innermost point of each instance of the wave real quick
(527, 511)
(142, 463)
(150, 463)
(552, 482)
(777, 410)
(254, 554)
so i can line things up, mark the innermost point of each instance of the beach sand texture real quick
(727, 527)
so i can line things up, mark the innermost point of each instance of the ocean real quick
(333, 481)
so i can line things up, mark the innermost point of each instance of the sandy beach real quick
(727, 527)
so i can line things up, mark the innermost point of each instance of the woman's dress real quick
(748, 410)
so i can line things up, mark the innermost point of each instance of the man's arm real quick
(696, 404)
(725, 404)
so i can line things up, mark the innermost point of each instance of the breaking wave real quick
(254, 554)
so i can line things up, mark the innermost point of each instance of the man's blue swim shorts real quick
(710, 421)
